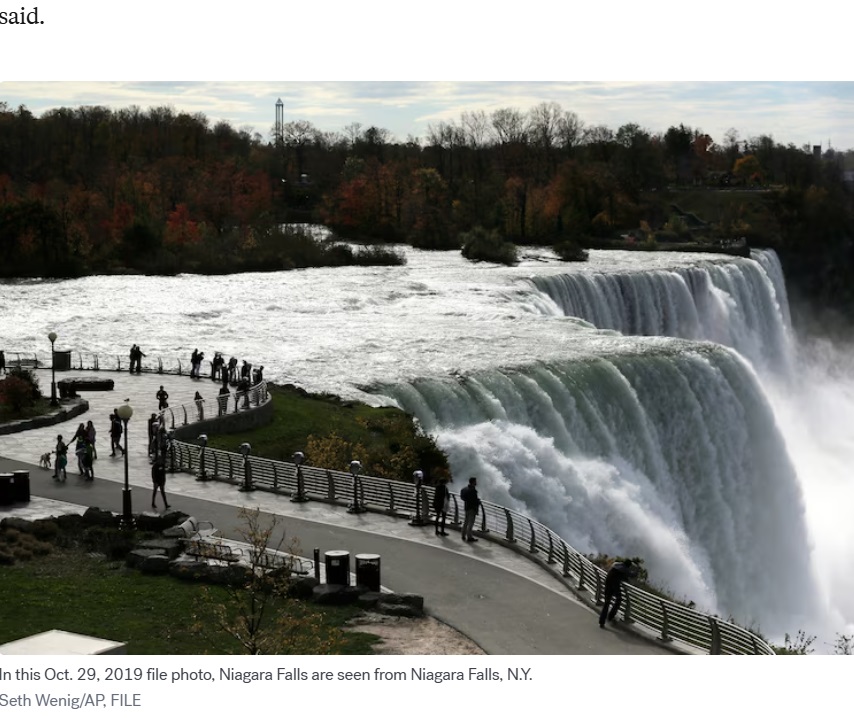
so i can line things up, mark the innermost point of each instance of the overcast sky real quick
(803, 113)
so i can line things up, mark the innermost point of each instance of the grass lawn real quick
(75, 591)
(332, 432)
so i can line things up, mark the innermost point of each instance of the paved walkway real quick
(504, 602)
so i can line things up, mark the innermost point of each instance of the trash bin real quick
(368, 571)
(21, 487)
(338, 567)
(6, 498)
(62, 360)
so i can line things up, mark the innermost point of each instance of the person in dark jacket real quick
(471, 501)
(158, 479)
(441, 501)
(619, 572)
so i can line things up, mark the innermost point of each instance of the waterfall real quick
(740, 303)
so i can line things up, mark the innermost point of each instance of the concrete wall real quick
(228, 424)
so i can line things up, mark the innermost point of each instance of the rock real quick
(189, 570)
(169, 547)
(13, 522)
(135, 558)
(155, 565)
(302, 588)
(399, 609)
(327, 594)
(405, 599)
(94, 516)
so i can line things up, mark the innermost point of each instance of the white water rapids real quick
(639, 404)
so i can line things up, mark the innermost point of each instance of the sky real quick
(779, 71)
(801, 113)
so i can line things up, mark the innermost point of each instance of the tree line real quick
(90, 189)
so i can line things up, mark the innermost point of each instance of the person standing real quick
(158, 479)
(61, 458)
(441, 504)
(162, 396)
(614, 579)
(2, 361)
(115, 435)
(90, 437)
(471, 501)
(88, 461)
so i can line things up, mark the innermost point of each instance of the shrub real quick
(481, 245)
(570, 251)
(16, 393)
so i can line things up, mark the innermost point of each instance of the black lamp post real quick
(125, 412)
(53, 401)
(298, 459)
(356, 507)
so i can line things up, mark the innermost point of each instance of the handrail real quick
(104, 362)
(232, 403)
(668, 620)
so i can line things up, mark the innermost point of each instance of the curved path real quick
(501, 600)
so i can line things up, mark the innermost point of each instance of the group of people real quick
(471, 506)
(84, 449)
(196, 359)
(136, 356)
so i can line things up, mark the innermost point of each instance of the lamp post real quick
(356, 507)
(125, 412)
(298, 459)
(203, 442)
(245, 448)
(53, 401)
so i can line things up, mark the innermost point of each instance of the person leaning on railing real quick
(619, 572)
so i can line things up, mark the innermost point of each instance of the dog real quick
(44, 461)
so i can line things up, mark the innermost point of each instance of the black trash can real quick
(368, 571)
(338, 567)
(62, 360)
(21, 487)
(6, 497)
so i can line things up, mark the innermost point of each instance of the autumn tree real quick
(259, 612)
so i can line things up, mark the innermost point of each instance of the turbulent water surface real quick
(639, 404)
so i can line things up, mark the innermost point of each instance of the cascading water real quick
(671, 450)
(667, 452)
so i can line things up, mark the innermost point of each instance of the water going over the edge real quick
(639, 404)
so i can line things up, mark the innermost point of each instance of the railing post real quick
(533, 547)
(159, 365)
(275, 477)
(391, 498)
(509, 535)
(483, 528)
(317, 565)
(551, 558)
(627, 605)
(456, 521)
(715, 648)
(184, 409)
(565, 559)
(330, 486)
(665, 623)
(96, 362)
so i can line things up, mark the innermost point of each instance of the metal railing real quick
(668, 620)
(80, 361)
(201, 409)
